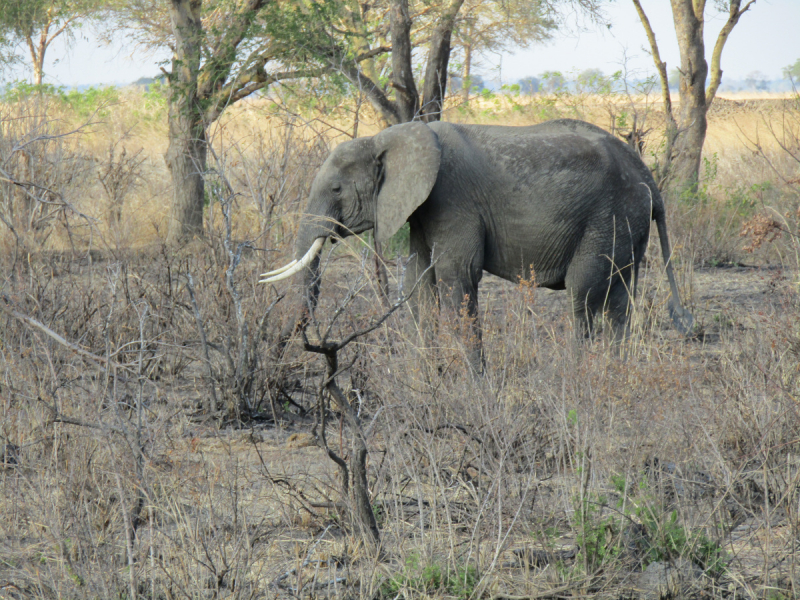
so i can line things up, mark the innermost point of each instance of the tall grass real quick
(663, 465)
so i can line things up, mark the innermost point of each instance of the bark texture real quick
(402, 74)
(438, 59)
(209, 73)
(406, 105)
(679, 167)
(688, 147)
(186, 154)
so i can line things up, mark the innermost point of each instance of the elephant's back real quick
(549, 190)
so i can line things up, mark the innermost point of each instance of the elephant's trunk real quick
(310, 234)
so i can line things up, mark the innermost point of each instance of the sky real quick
(766, 40)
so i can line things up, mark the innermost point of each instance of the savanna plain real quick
(165, 434)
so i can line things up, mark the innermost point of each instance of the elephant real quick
(563, 201)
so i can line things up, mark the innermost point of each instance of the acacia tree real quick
(492, 26)
(375, 45)
(37, 23)
(395, 94)
(222, 51)
(679, 168)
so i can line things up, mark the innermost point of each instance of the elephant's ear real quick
(409, 155)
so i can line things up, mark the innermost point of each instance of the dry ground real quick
(666, 466)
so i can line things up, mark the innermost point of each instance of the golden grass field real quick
(661, 467)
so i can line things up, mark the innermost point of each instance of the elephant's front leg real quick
(420, 282)
(458, 288)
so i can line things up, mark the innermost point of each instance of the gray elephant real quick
(563, 199)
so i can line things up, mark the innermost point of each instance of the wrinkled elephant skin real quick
(563, 201)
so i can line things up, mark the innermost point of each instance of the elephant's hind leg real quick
(596, 285)
(619, 303)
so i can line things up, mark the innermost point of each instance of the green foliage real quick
(701, 193)
(155, 97)
(745, 200)
(792, 71)
(431, 578)
(552, 82)
(153, 106)
(93, 100)
(22, 18)
(593, 81)
(598, 535)
(666, 538)
(22, 90)
(399, 244)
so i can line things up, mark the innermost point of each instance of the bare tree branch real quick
(734, 15)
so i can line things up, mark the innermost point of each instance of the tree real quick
(552, 82)
(221, 51)
(386, 74)
(493, 26)
(37, 23)
(792, 71)
(529, 85)
(680, 165)
(756, 80)
(378, 45)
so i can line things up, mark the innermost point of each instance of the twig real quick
(199, 321)
(31, 322)
(307, 560)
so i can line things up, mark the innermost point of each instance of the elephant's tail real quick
(681, 318)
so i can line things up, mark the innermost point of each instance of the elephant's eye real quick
(336, 188)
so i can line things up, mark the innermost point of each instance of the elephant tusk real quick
(299, 265)
(281, 270)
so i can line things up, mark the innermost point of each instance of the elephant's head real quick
(367, 183)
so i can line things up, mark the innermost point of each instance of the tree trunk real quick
(402, 73)
(680, 168)
(186, 160)
(38, 71)
(692, 123)
(438, 59)
(186, 154)
(37, 58)
(465, 73)
(662, 166)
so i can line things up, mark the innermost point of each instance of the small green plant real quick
(701, 194)
(745, 200)
(598, 536)
(431, 578)
(666, 538)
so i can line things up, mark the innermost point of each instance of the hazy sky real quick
(766, 39)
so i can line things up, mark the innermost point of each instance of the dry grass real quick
(571, 469)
